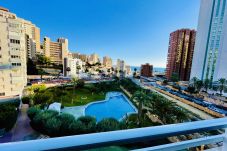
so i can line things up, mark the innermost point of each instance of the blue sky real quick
(136, 31)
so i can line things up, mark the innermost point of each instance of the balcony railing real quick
(87, 141)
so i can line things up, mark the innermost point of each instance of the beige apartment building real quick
(107, 62)
(83, 57)
(93, 58)
(32, 38)
(13, 76)
(56, 51)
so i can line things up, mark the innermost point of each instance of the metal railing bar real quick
(185, 144)
(88, 141)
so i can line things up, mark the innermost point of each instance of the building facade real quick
(13, 75)
(107, 62)
(121, 68)
(56, 51)
(210, 57)
(72, 67)
(93, 58)
(146, 70)
(83, 57)
(32, 38)
(180, 54)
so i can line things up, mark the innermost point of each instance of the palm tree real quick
(222, 83)
(198, 85)
(194, 80)
(206, 84)
(41, 72)
(142, 97)
(74, 81)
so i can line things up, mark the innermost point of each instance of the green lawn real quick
(82, 96)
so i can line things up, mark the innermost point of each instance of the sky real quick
(136, 31)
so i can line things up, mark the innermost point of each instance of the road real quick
(196, 111)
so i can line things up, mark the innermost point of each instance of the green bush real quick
(42, 98)
(39, 121)
(66, 120)
(53, 126)
(76, 128)
(8, 115)
(108, 124)
(26, 100)
(89, 123)
(80, 83)
(32, 112)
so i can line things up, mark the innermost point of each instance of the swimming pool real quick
(116, 105)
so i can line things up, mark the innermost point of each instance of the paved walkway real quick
(22, 129)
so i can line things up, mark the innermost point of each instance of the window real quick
(13, 56)
(2, 94)
(14, 41)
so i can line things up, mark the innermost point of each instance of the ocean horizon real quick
(155, 69)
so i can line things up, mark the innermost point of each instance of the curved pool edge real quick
(107, 99)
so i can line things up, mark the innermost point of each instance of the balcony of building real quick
(132, 136)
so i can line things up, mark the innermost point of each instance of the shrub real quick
(39, 121)
(53, 126)
(108, 124)
(41, 98)
(26, 100)
(80, 83)
(76, 128)
(32, 112)
(89, 123)
(66, 120)
(8, 116)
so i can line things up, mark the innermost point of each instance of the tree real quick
(74, 81)
(31, 67)
(26, 100)
(8, 116)
(222, 83)
(142, 97)
(175, 77)
(193, 81)
(206, 84)
(42, 98)
(198, 85)
(191, 89)
(41, 72)
(80, 83)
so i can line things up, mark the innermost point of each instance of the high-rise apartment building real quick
(93, 58)
(32, 38)
(210, 56)
(83, 57)
(180, 54)
(121, 68)
(146, 70)
(56, 51)
(13, 76)
(107, 62)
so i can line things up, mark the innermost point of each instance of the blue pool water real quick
(115, 107)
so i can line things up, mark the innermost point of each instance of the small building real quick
(146, 70)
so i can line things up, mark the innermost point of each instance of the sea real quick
(155, 69)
